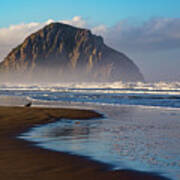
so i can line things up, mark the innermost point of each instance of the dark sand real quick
(21, 160)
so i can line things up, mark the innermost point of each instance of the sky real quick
(146, 31)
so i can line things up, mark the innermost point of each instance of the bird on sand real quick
(28, 104)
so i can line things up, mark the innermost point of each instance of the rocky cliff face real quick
(60, 52)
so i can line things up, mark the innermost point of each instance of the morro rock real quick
(60, 52)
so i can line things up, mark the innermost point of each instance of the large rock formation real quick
(60, 52)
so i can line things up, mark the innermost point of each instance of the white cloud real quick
(49, 21)
(15, 34)
(100, 30)
(76, 21)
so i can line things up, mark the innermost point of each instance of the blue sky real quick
(97, 11)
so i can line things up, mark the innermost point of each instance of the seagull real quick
(28, 104)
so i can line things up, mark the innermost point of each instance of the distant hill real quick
(60, 52)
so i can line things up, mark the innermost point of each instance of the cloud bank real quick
(155, 34)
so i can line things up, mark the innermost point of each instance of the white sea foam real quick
(157, 86)
(159, 94)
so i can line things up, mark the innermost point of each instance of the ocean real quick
(140, 129)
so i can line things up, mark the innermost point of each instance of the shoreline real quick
(20, 159)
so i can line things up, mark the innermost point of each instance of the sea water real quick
(140, 130)
(161, 94)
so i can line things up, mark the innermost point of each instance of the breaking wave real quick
(157, 86)
(158, 94)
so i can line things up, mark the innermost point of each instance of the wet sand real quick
(21, 160)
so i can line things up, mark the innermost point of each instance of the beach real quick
(20, 159)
